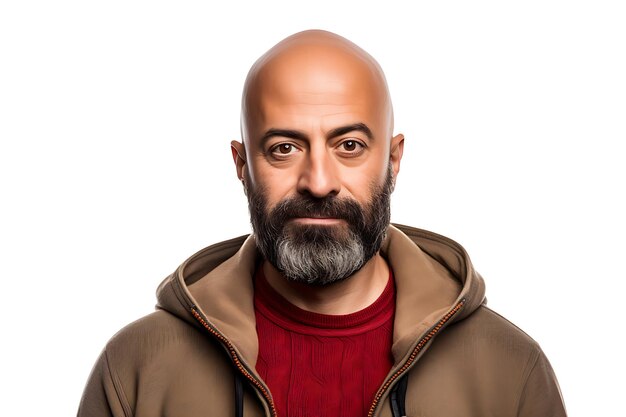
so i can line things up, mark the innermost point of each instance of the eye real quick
(351, 147)
(283, 149)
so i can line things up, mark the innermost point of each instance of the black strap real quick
(398, 397)
(238, 396)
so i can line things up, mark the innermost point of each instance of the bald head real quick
(316, 119)
(318, 161)
(314, 68)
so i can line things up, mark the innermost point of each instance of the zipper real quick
(238, 363)
(418, 348)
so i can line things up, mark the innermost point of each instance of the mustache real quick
(327, 207)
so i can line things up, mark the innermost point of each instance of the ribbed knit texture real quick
(319, 365)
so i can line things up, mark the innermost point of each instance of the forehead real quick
(316, 86)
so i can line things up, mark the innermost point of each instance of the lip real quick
(323, 221)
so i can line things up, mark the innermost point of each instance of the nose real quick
(319, 176)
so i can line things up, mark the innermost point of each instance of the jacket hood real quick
(433, 276)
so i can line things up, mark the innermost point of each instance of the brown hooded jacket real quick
(453, 356)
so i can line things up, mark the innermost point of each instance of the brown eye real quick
(283, 150)
(350, 145)
(351, 148)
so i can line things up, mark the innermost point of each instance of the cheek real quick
(359, 186)
(360, 180)
(276, 184)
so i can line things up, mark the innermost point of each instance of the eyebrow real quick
(358, 127)
(298, 135)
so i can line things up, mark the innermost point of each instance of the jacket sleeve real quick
(541, 395)
(103, 395)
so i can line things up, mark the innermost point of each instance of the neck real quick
(352, 294)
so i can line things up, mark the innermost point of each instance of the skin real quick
(317, 119)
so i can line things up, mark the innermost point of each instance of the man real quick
(327, 309)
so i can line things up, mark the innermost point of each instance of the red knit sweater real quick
(322, 365)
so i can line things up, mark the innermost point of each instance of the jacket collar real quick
(432, 274)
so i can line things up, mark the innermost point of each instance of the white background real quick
(115, 123)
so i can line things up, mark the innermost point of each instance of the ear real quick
(395, 155)
(239, 158)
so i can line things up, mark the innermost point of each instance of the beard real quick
(320, 255)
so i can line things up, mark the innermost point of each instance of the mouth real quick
(318, 221)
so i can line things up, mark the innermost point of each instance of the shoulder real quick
(156, 335)
(487, 330)
(491, 365)
(485, 347)
(156, 343)
(162, 364)
(486, 321)
(152, 353)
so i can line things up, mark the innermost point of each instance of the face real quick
(318, 166)
(326, 252)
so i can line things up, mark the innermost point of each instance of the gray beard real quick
(321, 255)
(320, 263)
